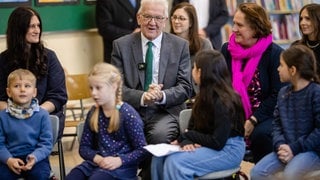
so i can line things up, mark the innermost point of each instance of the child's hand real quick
(284, 153)
(15, 164)
(175, 142)
(190, 147)
(31, 160)
(110, 163)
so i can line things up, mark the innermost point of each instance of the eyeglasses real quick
(148, 18)
(180, 18)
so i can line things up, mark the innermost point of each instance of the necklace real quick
(312, 46)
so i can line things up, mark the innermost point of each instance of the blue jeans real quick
(301, 164)
(187, 165)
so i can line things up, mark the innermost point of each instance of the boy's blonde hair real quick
(109, 74)
(21, 74)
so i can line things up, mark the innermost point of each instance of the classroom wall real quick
(69, 30)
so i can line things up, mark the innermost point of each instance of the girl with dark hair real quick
(215, 131)
(26, 50)
(296, 131)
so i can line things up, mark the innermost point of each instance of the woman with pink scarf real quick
(253, 60)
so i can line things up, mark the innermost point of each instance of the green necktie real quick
(148, 72)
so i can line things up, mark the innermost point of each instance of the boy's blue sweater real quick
(21, 137)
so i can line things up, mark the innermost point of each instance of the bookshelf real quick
(284, 17)
(226, 30)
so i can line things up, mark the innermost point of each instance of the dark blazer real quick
(218, 17)
(174, 70)
(114, 19)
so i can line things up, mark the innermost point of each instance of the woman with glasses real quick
(212, 16)
(184, 23)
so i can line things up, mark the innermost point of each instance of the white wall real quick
(77, 51)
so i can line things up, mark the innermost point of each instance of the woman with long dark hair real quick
(26, 50)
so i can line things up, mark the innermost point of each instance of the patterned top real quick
(269, 80)
(127, 142)
(254, 91)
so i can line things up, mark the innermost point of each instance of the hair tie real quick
(118, 106)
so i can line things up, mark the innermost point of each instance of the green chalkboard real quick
(58, 17)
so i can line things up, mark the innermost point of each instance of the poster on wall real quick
(53, 2)
(14, 3)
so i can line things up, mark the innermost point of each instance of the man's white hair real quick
(162, 2)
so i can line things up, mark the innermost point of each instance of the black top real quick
(219, 129)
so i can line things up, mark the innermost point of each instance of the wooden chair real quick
(184, 118)
(78, 91)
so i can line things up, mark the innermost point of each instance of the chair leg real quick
(61, 160)
(73, 141)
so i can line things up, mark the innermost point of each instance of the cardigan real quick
(297, 119)
(269, 79)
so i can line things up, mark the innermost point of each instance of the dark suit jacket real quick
(217, 19)
(114, 19)
(174, 70)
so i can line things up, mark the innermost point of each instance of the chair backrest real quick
(77, 86)
(184, 118)
(80, 130)
(55, 132)
(77, 89)
(55, 127)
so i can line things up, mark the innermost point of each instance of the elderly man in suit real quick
(115, 18)
(213, 15)
(159, 103)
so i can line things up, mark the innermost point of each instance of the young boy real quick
(25, 131)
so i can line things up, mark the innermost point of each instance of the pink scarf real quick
(241, 79)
